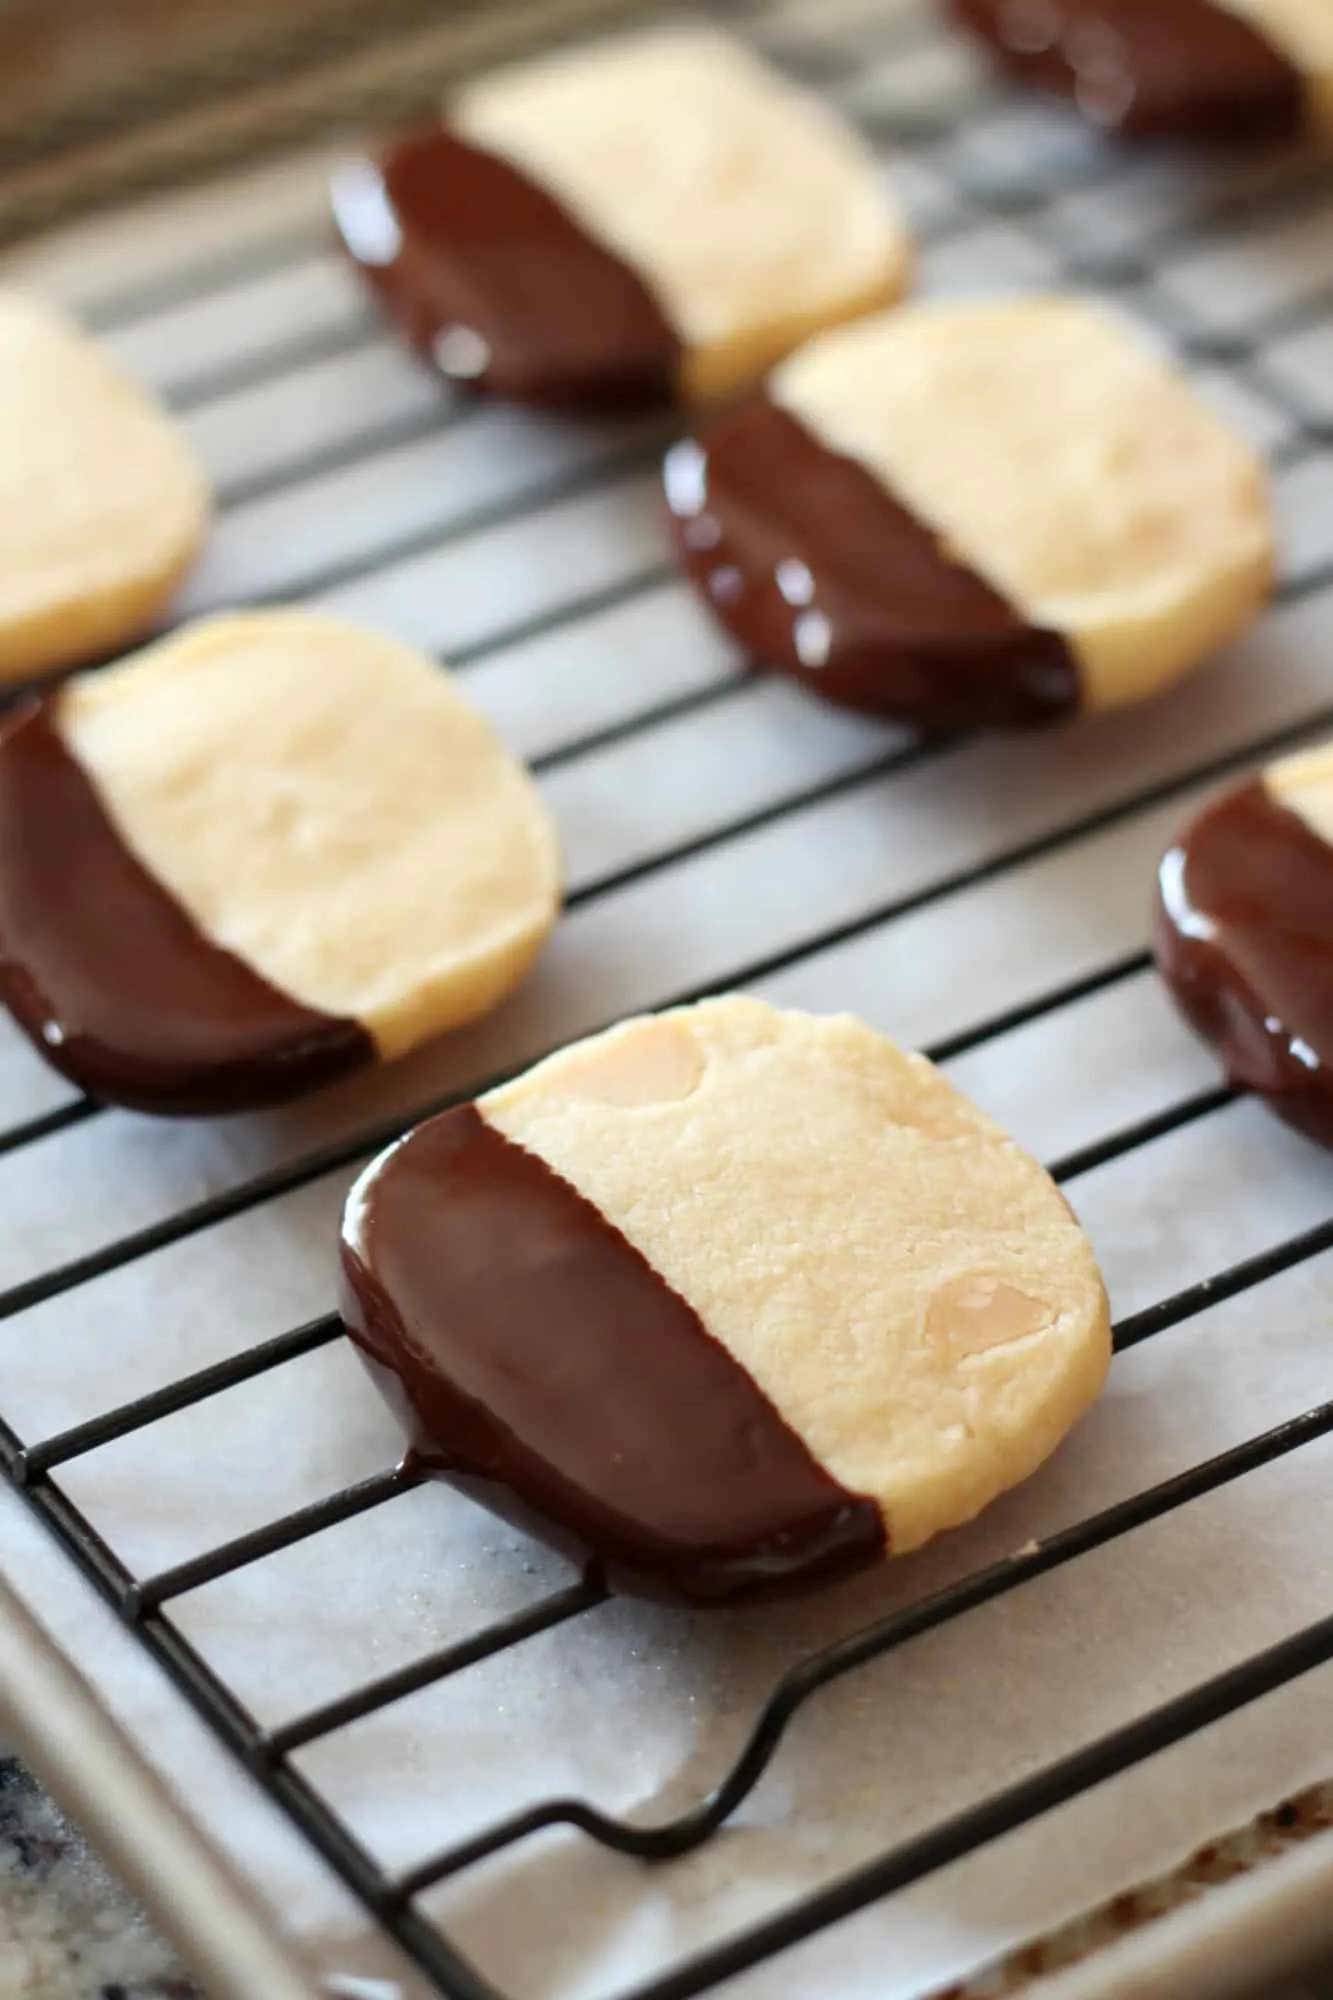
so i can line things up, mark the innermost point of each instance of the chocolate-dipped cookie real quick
(724, 1302)
(1189, 69)
(659, 216)
(1244, 935)
(102, 506)
(257, 857)
(977, 514)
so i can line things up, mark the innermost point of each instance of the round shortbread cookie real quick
(1245, 935)
(259, 855)
(1193, 69)
(102, 507)
(725, 1301)
(976, 513)
(662, 214)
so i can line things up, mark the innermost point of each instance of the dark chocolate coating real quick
(1244, 940)
(491, 279)
(539, 1362)
(1182, 69)
(816, 569)
(110, 978)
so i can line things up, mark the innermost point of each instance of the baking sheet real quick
(714, 826)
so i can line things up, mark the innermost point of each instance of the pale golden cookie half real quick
(978, 513)
(102, 506)
(261, 854)
(658, 215)
(726, 1300)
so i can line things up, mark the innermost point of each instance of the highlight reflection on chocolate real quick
(1177, 68)
(491, 279)
(807, 560)
(540, 1363)
(1244, 940)
(112, 981)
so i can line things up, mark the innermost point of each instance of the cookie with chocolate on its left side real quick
(1244, 935)
(976, 514)
(1207, 70)
(658, 217)
(258, 856)
(725, 1302)
(102, 505)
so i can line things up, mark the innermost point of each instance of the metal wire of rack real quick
(1039, 195)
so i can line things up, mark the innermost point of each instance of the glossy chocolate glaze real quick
(495, 283)
(1176, 68)
(538, 1362)
(815, 568)
(1244, 940)
(109, 977)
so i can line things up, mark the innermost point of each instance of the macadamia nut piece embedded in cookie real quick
(903, 1293)
(268, 812)
(662, 212)
(977, 513)
(102, 506)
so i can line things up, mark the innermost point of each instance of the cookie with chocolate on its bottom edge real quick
(657, 217)
(1229, 70)
(102, 505)
(261, 855)
(1244, 935)
(975, 514)
(724, 1302)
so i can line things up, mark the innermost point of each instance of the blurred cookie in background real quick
(972, 515)
(1228, 70)
(102, 505)
(658, 217)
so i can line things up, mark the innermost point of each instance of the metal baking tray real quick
(1127, 1658)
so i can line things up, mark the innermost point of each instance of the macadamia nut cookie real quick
(976, 514)
(655, 216)
(1245, 935)
(256, 857)
(1190, 69)
(726, 1301)
(102, 507)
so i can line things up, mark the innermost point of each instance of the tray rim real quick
(68, 1735)
(1228, 1943)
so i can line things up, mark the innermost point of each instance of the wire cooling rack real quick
(984, 899)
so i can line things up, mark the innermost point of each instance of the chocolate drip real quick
(817, 569)
(1184, 69)
(539, 1362)
(495, 283)
(1245, 942)
(109, 977)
